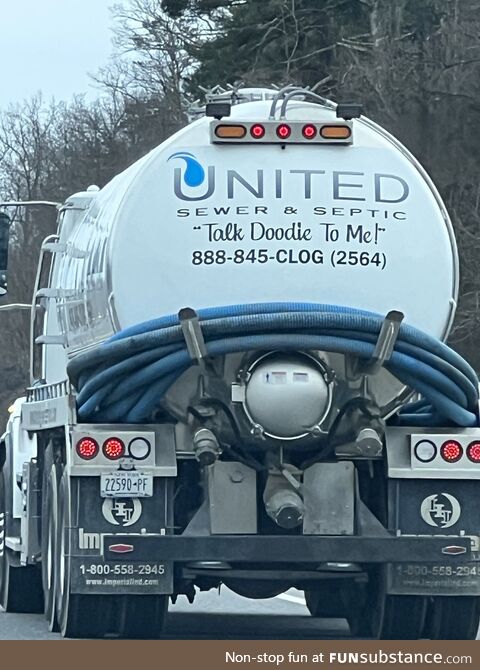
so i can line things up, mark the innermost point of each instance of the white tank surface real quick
(199, 224)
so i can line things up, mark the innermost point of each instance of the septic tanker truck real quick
(240, 377)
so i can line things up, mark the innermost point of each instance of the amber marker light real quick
(335, 132)
(230, 132)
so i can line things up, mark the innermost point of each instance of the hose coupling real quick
(206, 447)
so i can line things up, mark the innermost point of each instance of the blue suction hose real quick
(125, 377)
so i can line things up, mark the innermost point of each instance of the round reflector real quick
(113, 448)
(284, 131)
(425, 451)
(473, 452)
(451, 451)
(87, 448)
(309, 131)
(139, 448)
(257, 131)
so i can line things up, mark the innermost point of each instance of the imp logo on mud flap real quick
(122, 511)
(441, 510)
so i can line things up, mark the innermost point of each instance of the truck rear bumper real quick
(311, 549)
(140, 564)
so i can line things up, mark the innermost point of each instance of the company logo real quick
(193, 182)
(191, 175)
(122, 511)
(441, 510)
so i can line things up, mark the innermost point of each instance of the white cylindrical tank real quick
(199, 224)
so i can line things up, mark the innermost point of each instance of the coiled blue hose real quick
(124, 378)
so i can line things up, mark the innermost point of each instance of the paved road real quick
(212, 616)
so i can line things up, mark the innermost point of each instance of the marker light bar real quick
(455, 455)
(280, 132)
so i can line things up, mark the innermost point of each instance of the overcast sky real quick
(51, 45)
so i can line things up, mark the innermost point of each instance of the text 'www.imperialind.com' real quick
(351, 658)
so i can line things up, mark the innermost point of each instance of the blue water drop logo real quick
(194, 174)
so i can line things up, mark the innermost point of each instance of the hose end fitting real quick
(206, 447)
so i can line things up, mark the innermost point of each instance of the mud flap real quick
(97, 521)
(446, 508)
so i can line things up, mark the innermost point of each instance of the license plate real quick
(126, 485)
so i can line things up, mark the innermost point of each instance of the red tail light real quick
(257, 131)
(113, 448)
(309, 131)
(87, 448)
(473, 452)
(451, 451)
(284, 131)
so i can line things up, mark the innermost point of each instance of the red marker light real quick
(87, 448)
(121, 548)
(473, 452)
(113, 448)
(309, 131)
(257, 131)
(451, 451)
(284, 131)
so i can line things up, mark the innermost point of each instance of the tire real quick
(50, 481)
(388, 617)
(328, 600)
(453, 618)
(403, 618)
(140, 617)
(20, 586)
(100, 616)
(337, 599)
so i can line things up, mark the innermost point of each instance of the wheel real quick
(403, 618)
(453, 618)
(388, 617)
(50, 481)
(140, 617)
(336, 599)
(97, 616)
(20, 587)
(328, 599)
